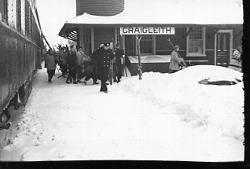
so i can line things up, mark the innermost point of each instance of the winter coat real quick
(79, 56)
(62, 58)
(118, 61)
(118, 56)
(88, 67)
(71, 60)
(103, 63)
(95, 55)
(50, 61)
(85, 58)
(174, 61)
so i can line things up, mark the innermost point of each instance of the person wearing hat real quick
(94, 60)
(175, 60)
(119, 53)
(104, 59)
(72, 64)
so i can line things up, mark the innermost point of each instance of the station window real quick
(4, 10)
(146, 44)
(196, 41)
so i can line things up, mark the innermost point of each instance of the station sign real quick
(147, 30)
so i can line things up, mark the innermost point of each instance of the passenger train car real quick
(20, 52)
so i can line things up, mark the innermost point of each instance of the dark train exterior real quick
(20, 51)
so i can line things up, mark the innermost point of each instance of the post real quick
(123, 48)
(138, 39)
(80, 36)
(92, 34)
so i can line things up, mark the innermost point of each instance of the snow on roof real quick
(162, 12)
(171, 12)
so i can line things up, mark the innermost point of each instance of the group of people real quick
(75, 64)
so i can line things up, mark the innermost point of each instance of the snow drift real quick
(161, 117)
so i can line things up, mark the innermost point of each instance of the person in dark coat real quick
(89, 72)
(50, 61)
(88, 67)
(118, 63)
(94, 61)
(71, 64)
(103, 62)
(63, 52)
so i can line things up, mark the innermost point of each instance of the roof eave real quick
(72, 26)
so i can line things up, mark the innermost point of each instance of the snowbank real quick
(210, 106)
(161, 117)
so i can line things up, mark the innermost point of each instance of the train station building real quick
(206, 31)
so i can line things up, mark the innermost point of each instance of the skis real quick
(111, 73)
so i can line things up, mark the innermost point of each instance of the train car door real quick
(223, 49)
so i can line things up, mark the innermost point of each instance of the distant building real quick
(207, 31)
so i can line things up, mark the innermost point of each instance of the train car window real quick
(1, 10)
(22, 16)
(12, 13)
(18, 15)
(27, 18)
(4, 11)
(31, 24)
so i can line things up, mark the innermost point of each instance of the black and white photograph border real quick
(99, 82)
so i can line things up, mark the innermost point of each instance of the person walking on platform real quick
(88, 68)
(94, 60)
(79, 67)
(176, 61)
(89, 72)
(50, 62)
(118, 63)
(103, 62)
(71, 64)
(62, 60)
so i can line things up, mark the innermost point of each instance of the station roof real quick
(164, 12)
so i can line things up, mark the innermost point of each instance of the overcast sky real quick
(53, 14)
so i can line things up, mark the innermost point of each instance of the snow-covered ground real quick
(161, 117)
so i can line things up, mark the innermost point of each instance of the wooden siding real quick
(130, 46)
(237, 35)
(163, 47)
(103, 35)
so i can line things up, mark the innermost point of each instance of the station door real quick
(223, 49)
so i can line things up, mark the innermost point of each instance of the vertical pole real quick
(138, 39)
(80, 36)
(116, 38)
(92, 31)
(154, 44)
(123, 47)
(123, 42)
